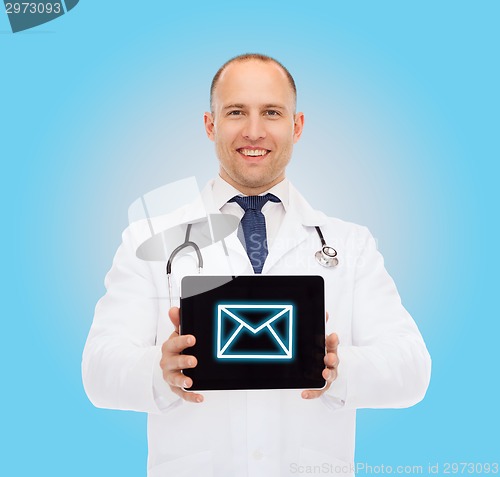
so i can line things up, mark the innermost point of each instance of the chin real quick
(249, 181)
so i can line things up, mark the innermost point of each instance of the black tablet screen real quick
(255, 332)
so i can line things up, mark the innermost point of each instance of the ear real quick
(298, 126)
(208, 119)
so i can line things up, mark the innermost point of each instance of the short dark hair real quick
(247, 57)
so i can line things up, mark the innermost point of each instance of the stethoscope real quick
(326, 257)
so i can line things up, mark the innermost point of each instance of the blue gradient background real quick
(401, 102)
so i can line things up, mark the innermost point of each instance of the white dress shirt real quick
(274, 212)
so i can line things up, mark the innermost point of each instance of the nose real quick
(254, 128)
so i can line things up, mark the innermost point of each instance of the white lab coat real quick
(383, 359)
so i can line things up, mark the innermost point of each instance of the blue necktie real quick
(254, 227)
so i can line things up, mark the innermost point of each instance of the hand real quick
(172, 362)
(331, 364)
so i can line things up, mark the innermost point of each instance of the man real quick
(375, 354)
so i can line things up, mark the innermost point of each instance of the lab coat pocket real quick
(199, 465)
(311, 461)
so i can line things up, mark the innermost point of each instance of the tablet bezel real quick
(199, 292)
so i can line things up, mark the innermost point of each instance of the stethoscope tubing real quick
(326, 257)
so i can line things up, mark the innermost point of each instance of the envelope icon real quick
(254, 331)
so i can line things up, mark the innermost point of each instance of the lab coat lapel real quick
(238, 255)
(298, 220)
(291, 234)
(237, 252)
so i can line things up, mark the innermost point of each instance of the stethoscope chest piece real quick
(327, 257)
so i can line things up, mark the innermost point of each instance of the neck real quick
(251, 190)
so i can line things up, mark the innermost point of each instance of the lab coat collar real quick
(294, 203)
(303, 211)
(293, 231)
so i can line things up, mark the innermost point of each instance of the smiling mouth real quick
(253, 152)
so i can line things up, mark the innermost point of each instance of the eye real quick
(272, 113)
(235, 112)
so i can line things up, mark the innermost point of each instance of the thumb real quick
(175, 317)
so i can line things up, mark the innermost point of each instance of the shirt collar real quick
(223, 191)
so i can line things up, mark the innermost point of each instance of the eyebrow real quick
(274, 106)
(237, 106)
(265, 106)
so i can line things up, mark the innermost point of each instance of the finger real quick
(331, 360)
(329, 375)
(175, 317)
(188, 396)
(310, 394)
(178, 362)
(176, 344)
(314, 393)
(179, 381)
(332, 343)
(327, 317)
(176, 379)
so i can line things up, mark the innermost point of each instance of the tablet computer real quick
(254, 331)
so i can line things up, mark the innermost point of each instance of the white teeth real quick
(253, 152)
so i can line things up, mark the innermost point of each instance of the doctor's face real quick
(253, 125)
